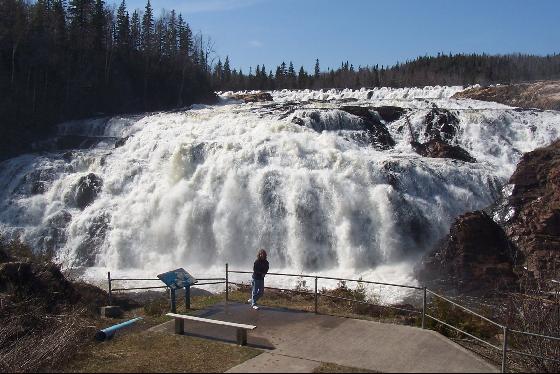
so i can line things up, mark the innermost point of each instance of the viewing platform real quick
(295, 341)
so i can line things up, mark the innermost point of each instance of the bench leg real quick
(179, 326)
(241, 336)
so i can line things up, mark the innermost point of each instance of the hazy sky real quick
(366, 32)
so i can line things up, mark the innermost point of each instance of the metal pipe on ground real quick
(108, 333)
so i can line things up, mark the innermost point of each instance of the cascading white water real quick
(212, 184)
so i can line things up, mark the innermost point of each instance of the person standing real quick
(260, 268)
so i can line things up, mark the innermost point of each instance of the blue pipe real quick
(108, 333)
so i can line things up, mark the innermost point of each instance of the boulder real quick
(378, 135)
(441, 124)
(87, 189)
(439, 149)
(476, 255)
(253, 97)
(389, 113)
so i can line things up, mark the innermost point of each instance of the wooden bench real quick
(241, 328)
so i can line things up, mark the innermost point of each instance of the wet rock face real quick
(441, 128)
(253, 97)
(377, 133)
(439, 149)
(87, 189)
(389, 113)
(441, 124)
(476, 255)
(122, 141)
(535, 202)
(90, 246)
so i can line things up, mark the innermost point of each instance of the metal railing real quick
(505, 330)
(172, 296)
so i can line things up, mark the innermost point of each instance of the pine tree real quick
(135, 31)
(122, 32)
(185, 37)
(302, 78)
(171, 35)
(148, 29)
(227, 71)
(99, 24)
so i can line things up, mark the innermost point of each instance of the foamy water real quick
(212, 184)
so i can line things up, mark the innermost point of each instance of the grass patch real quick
(329, 304)
(159, 352)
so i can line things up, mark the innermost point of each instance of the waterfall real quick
(212, 184)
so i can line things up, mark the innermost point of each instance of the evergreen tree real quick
(135, 32)
(227, 71)
(122, 34)
(147, 29)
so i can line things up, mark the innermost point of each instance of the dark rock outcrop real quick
(87, 189)
(541, 95)
(524, 243)
(439, 149)
(389, 113)
(476, 255)
(378, 134)
(535, 200)
(441, 124)
(253, 97)
(90, 246)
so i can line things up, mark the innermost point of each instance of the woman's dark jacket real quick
(260, 268)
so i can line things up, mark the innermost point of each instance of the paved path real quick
(299, 341)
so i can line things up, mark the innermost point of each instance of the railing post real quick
(110, 289)
(227, 282)
(173, 301)
(504, 351)
(187, 297)
(316, 296)
(424, 308)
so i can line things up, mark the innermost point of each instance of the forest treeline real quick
(68, 59)
(62, 60)
(459, 69)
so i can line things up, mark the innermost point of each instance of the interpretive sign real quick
(177, 279)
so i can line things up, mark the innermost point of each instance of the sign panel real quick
(177, 278)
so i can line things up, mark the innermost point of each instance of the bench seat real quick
(241, 328)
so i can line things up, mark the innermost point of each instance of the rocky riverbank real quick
(541, 95)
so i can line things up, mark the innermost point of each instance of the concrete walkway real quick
(299, 341)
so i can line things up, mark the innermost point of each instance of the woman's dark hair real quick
(261, 255)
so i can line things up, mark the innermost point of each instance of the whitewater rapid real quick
(210, 185)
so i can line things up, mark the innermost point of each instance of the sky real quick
(365, 32)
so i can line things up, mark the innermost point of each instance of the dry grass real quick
(30, 345)
(159, 352)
